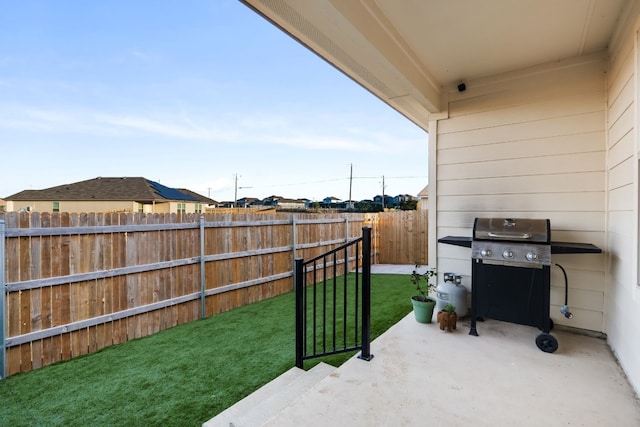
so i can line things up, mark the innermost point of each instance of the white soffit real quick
(467, 39)
(409, 52)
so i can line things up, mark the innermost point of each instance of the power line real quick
(339, 179)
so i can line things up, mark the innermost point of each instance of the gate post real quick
(365, 354)
(298, 281)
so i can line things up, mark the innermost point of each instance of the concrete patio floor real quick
(422, 376)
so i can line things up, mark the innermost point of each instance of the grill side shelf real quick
(463, 241)
(574, 248)
(556, 247)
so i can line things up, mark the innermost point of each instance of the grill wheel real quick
(547, 342)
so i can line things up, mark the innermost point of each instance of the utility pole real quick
(350, 185)
(235, 197)
(382, 192)
(235, 194)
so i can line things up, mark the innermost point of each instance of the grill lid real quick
(512, 229)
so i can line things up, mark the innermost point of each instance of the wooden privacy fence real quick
(76, 283)
(402, 237)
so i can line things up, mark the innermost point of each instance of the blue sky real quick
(189, 94)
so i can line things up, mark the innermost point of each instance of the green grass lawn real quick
(181, 376)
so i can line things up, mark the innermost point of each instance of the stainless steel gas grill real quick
(511, 261)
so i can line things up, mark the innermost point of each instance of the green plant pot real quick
(423, 310)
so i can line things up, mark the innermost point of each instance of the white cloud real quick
(156, 127)
(263, 130)
(296, 129)
(325, 143)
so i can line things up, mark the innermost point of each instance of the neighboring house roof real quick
(200, 197)
(424, 192)
(248, 200)
(138, 189)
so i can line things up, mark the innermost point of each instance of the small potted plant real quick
(423, 304)
(448, 318)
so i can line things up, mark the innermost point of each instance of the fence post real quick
(376, 232)
(365, 354)
(202, 276)
(3, 315)
(298, 280)
(346, 226)
(294, 236)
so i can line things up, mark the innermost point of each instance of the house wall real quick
(71, 206)
(528, 144)
(291, 205)
(622, 303)
(102, 206)
(172, 207)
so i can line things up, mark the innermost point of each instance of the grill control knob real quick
(485, 252)
(532, 256)
(507, 254)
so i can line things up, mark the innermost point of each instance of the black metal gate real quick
(333, 305)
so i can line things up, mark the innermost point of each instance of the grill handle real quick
(509, 235)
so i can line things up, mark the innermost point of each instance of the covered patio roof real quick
(411, 56)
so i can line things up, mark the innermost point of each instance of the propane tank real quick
(452, 292)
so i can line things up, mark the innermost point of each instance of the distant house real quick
(245, 202)
(291, 204)
(423, 198)
(124, 194)
(3, 205)
(402, 198)
(330, 200)
(404, 202)
(271, 201)
(386, 202)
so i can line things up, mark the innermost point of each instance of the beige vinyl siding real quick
(101, 206)
(622, 299)
(531, 144)
(75, 206)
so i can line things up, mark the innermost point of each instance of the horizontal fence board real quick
(76, 326)
(102, 274)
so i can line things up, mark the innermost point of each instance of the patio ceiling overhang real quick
(411, 53)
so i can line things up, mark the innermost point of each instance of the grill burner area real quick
(500, 252)
(508, 240)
